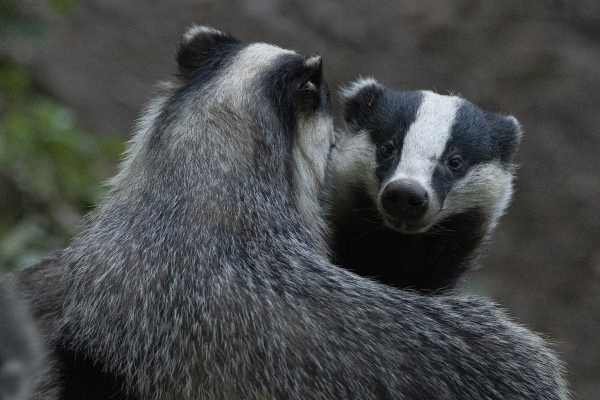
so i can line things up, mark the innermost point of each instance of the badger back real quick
(215, 169)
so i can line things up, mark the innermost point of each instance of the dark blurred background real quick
(74, 76)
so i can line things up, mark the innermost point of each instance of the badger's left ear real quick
(359, 100)
(203, 49)
(311, 82)
(507, 133)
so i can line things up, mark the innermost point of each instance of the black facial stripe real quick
(283, 84)
(386, 114)
(441, 182)
(473, 138)
(392, 116)
(469, 138)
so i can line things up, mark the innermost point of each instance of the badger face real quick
(425, 157)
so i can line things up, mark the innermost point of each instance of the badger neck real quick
(173, 255)
(180, 218)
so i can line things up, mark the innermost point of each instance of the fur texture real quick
(21, 350)
(204, 274)
(418, 182)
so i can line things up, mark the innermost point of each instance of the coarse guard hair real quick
(204, 274)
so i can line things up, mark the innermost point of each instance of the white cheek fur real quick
(354, 167)
(487, 187)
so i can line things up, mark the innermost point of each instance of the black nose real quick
(405, 199)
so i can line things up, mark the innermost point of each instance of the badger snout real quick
(405, 200)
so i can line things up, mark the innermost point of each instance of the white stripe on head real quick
(235, 88)
(426, 138)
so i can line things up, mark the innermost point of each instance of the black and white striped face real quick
(428, 156)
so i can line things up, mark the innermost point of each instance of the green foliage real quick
(50, 170)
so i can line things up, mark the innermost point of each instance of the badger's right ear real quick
(359, 99)
(203, 49)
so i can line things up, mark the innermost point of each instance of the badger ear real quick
(507, 133)
(359, 99)
(203, 48)
(313, 67)
(311, 82)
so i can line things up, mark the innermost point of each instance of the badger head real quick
(241, 113)
(423, 157)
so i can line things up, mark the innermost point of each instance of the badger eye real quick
(455, 163)
(387, 149)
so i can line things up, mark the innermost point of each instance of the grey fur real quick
(204, 274)
(21, 350)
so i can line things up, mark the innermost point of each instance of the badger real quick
(21, 350)
(418, 181)
(205, 272)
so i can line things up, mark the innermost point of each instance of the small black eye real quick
(455, 163)
(387, 149)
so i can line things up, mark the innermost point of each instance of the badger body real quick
(418, 181)
(205, 273)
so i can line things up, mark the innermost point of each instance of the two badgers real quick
(417, 184)
(204, 274)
